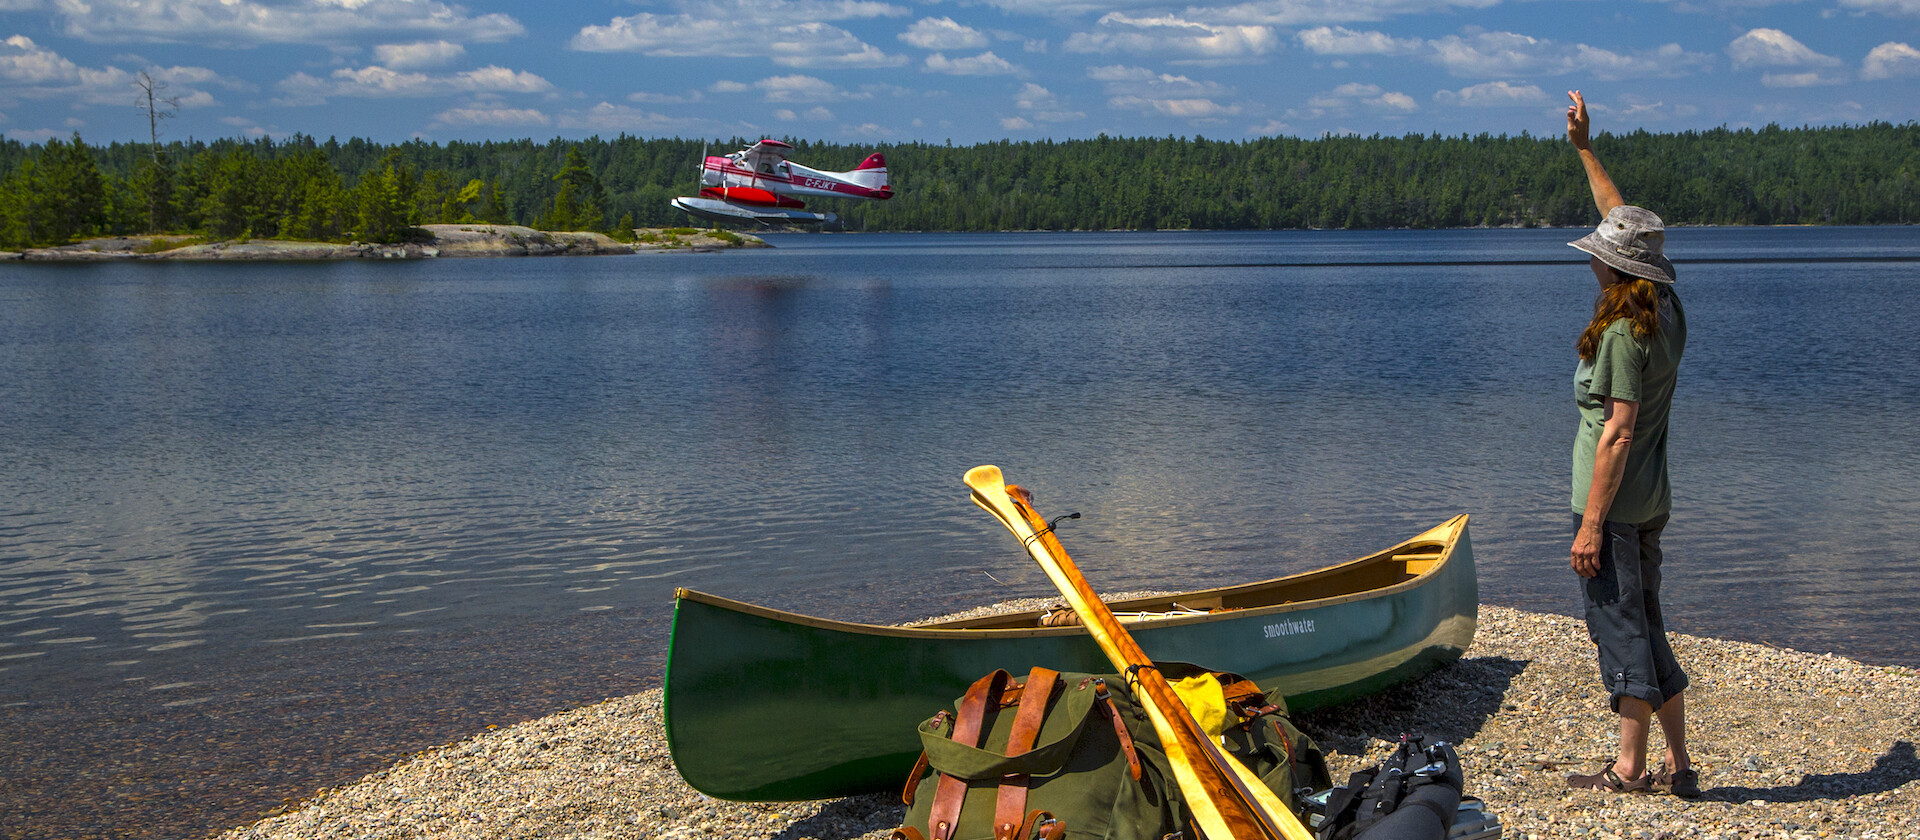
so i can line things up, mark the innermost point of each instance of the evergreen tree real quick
(579, 202)
(152, 184)
(383, 200)
(68, 194)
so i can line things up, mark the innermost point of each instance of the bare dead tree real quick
(158, 108)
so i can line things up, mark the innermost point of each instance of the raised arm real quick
(1605, 195)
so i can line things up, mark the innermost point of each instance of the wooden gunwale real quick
(1441, 537)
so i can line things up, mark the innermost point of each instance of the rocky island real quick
(432, 241)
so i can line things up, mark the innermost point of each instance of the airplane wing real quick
(773, 148)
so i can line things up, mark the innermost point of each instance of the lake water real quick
(263, 528)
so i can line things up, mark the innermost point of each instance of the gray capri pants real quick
(1623, 615)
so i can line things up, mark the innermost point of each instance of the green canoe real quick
(765, 705)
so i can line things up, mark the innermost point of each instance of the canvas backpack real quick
(1073, 757)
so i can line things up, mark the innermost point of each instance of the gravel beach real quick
(1788, 745)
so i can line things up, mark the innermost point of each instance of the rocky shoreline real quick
(437, 241)
(1788, 744)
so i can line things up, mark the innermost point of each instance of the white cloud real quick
(31, 71)
(24, 62)
(1142, 90)
(1170, 35)
(1773, 48)
(1495, 95)
(1339, 40)
(870, 130)
(1394, 100)
(1498, 54)
(815, 113)
(1891, 60)
(608, 118)
(1810, 78)
(942, 33)
(248, 23)
(1119, 73)
(418, 54)
(1486, 54)
(984, 64)
(490, 116)
(727, 86)
(1270, 129)
(1121, 79)
(1360, 93)
(1044, 106)
(819, 45)
(799, 88)
(1014, 124)
(744, 29)
(1633, 108)
(1892, 8)
(1191, 108)
(1311, 12)
(382, 82)
(1063, 9)
(648, 97)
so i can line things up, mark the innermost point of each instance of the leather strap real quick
(1105, 701)
(1049, 828)
(1010, 805)
(921, 765)
(913, 780)
(906, 832)
(948, 795)
(1246, 699)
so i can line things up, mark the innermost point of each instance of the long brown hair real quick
(1633, 298)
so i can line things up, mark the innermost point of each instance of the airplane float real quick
(759, 184)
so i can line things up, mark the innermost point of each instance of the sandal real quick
(1684, 784)
(1610, 781)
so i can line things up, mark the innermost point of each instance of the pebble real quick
(1787, 744)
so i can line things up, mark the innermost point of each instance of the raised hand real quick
(1577, 121)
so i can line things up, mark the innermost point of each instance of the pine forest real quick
(302, 188)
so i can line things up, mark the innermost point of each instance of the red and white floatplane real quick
(759, 184)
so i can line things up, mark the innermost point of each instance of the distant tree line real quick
(302, 188)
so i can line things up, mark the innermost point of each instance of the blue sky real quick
(857, 71)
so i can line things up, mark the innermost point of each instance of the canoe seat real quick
(1418, 561)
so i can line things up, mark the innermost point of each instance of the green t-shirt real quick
(1636, 370)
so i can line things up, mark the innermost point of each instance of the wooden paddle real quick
(1228, 801)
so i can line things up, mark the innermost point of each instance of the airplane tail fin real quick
(871, 173)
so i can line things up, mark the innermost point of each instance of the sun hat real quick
(1630, 239)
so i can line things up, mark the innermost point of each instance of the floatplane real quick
(758, 184)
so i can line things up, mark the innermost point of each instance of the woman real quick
(1629, 358)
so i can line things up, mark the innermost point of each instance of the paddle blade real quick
(990, 493)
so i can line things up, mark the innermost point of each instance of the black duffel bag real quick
(1412, 795)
